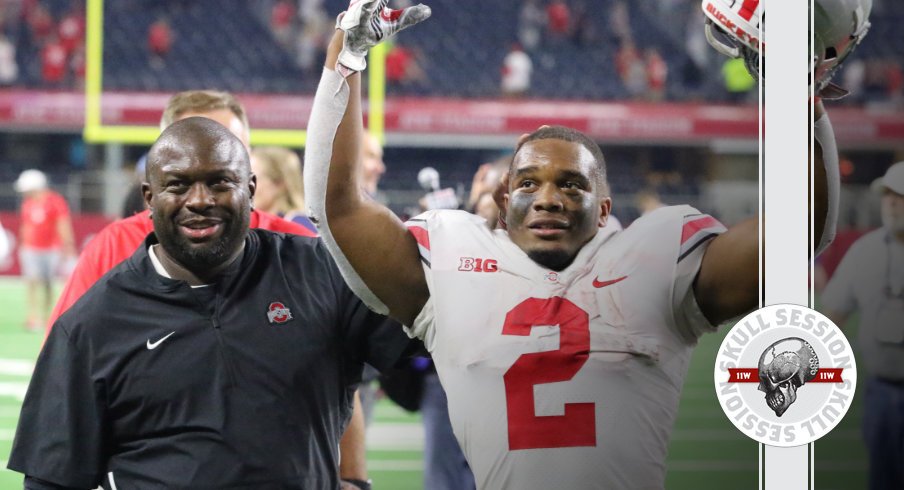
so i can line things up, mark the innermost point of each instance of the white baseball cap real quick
(892, 180)
(31, 180)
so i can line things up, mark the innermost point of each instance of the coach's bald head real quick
(197, 135)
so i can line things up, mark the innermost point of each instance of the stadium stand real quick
(234, 47)
(461, 54)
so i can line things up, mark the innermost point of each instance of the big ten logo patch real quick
(785, 375)
(472, 264)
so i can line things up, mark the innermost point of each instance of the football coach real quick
(214, 357)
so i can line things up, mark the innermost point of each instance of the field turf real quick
(706, 451)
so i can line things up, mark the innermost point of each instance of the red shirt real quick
(53, 62)
(160, 38)
(282, 14)
(657, 71)
(71, 32)
(397, 62)
(119, 240)
(894, 78)
(40, 217)
(831, 257)
(559, 17)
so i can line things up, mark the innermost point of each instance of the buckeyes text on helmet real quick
(734, 28)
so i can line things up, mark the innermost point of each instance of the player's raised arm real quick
(376, 254)
(727, 284)
(826, 178)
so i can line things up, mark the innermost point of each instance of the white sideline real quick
(395, 437)
(16, 367)
(395, 465)
(9, 412)
(13, 389)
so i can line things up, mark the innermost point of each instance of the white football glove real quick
(368, 22)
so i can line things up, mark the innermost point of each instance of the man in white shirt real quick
(516, 71)
(870, 281)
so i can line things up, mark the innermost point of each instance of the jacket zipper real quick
(224, 352)
(111, 480)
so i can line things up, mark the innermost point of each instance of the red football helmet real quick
(734, 28)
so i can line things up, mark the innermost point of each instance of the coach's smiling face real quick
(199, 189)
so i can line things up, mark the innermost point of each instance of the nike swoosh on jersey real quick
(153, 345)
(601, 284)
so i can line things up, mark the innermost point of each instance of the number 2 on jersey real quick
(526, 430)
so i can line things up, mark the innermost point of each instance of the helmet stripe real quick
(748, 8)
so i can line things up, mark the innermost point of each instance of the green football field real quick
(706, 451)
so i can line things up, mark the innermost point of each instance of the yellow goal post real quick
(95, 131)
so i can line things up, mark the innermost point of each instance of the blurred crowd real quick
(42, 47)
(644, 50)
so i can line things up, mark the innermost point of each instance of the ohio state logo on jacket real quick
(278, 313)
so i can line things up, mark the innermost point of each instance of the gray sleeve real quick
(330, 103)
(689, 318)
(694, 231)
(825, 136)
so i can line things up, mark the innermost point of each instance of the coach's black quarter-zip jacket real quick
(147, 382)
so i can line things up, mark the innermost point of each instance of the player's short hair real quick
(572, 136)
(201, 101)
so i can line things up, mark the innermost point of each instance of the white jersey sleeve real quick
(563, 379)
(423, 324)
(697, 229)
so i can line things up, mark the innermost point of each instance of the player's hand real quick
(366, 23)
(478, 184)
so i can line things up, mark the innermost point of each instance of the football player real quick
(562, 344)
